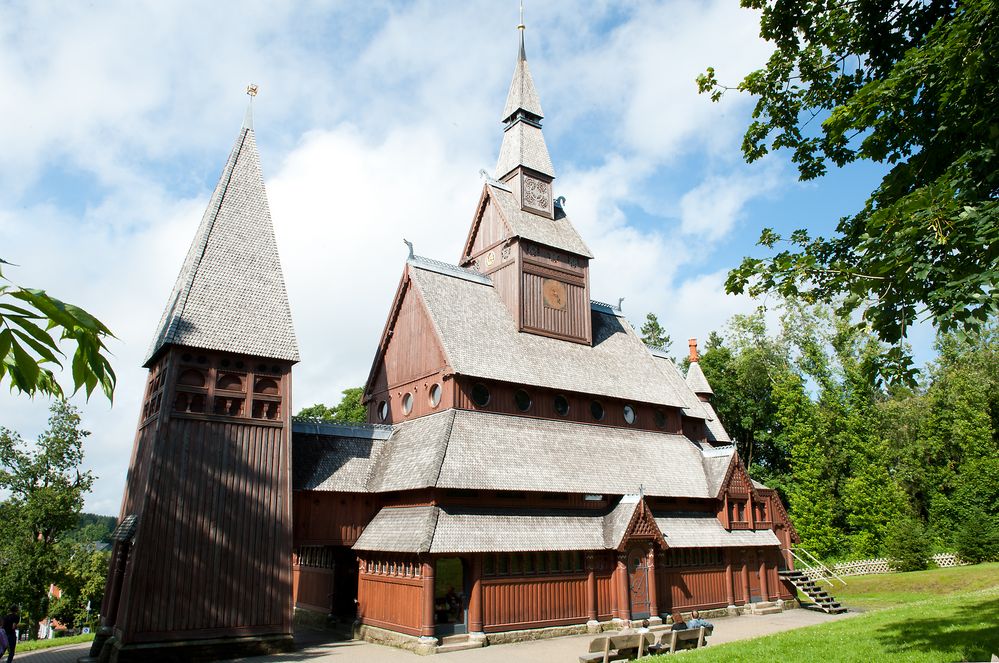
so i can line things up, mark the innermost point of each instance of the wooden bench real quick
(606, 648)
(691, 638)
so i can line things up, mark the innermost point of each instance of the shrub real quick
(908, 545)
(977, 538)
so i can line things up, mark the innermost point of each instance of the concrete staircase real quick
(810, 588)
(764, 608)
(452, 643)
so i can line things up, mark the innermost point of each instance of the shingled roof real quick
(454, 529)
(230, 293)
(480, 339)
(696, 380)
(466, 449)
(523, 142)
(702, 530)
(557, 233)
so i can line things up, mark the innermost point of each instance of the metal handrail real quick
(826, 568)
(810, 567)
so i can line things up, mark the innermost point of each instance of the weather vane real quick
(252, 89)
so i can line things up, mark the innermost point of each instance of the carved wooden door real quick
(638, 585)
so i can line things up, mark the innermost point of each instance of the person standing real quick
(10, 623)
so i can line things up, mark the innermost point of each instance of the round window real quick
(435, 395)
(597, 410)
(480, 394)
(562, 405)
(382, 411)
(629, 414)
(660, 419)
(407, 403)
(523, 400)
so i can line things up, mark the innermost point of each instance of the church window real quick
(660, 419)
(561, 405)
(597, 410)
(488, 565)
(435, 395)
(523, 400)
(629, 414)
(480, 394)
(229, 382)
(383, 411)
(407, 403)
(266, 386)
(191, 378)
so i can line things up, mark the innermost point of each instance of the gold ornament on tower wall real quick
(553, 292)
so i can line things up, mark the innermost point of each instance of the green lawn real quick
(938, 615)
(893, 589)
(32, 645)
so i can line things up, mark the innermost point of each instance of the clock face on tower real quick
(553, 293)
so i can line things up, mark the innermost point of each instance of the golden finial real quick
(521, 26)
(252, 89)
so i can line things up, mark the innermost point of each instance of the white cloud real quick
(710, 210)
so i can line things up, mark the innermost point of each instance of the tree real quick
(654, 334)
(81, 578)
(349, 409)
(903, 83)
(32, 325)
(46, 490)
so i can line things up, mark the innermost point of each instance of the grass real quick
(34, 645)
(938, 615)
(893, 589)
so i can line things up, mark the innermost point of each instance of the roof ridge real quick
(448, 269)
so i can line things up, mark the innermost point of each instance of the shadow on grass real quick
(971, 631)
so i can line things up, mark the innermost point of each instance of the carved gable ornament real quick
(737, 481)
(642, 526)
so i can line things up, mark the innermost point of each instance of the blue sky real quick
(373, 121)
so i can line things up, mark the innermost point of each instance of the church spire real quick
(230, 293)
(523, 143)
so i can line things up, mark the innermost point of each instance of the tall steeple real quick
(230, 292)
(523, 143)
(208, 495)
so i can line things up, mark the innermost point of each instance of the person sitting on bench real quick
(678, 623)
(697, 622)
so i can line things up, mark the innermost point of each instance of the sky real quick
(373, 121)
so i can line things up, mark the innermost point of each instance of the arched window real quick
(383, 411)
(407, 403)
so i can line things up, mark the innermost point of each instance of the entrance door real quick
(638, 585)
(450, 604)
(754, 579)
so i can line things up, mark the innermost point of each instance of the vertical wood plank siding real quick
(505, 281)
(215, 527)
(512, 603)
(569, 323)
(683, 589)
(335, 519)
(313, 587)
(606, 597)
(413, 351)
(490, 230)
(390, 602)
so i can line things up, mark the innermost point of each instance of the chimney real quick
(692, 343)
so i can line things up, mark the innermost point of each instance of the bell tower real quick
(521, 236)
(202, 562)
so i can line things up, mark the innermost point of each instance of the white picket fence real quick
(865, 567)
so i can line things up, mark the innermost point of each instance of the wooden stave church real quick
(529, 462)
